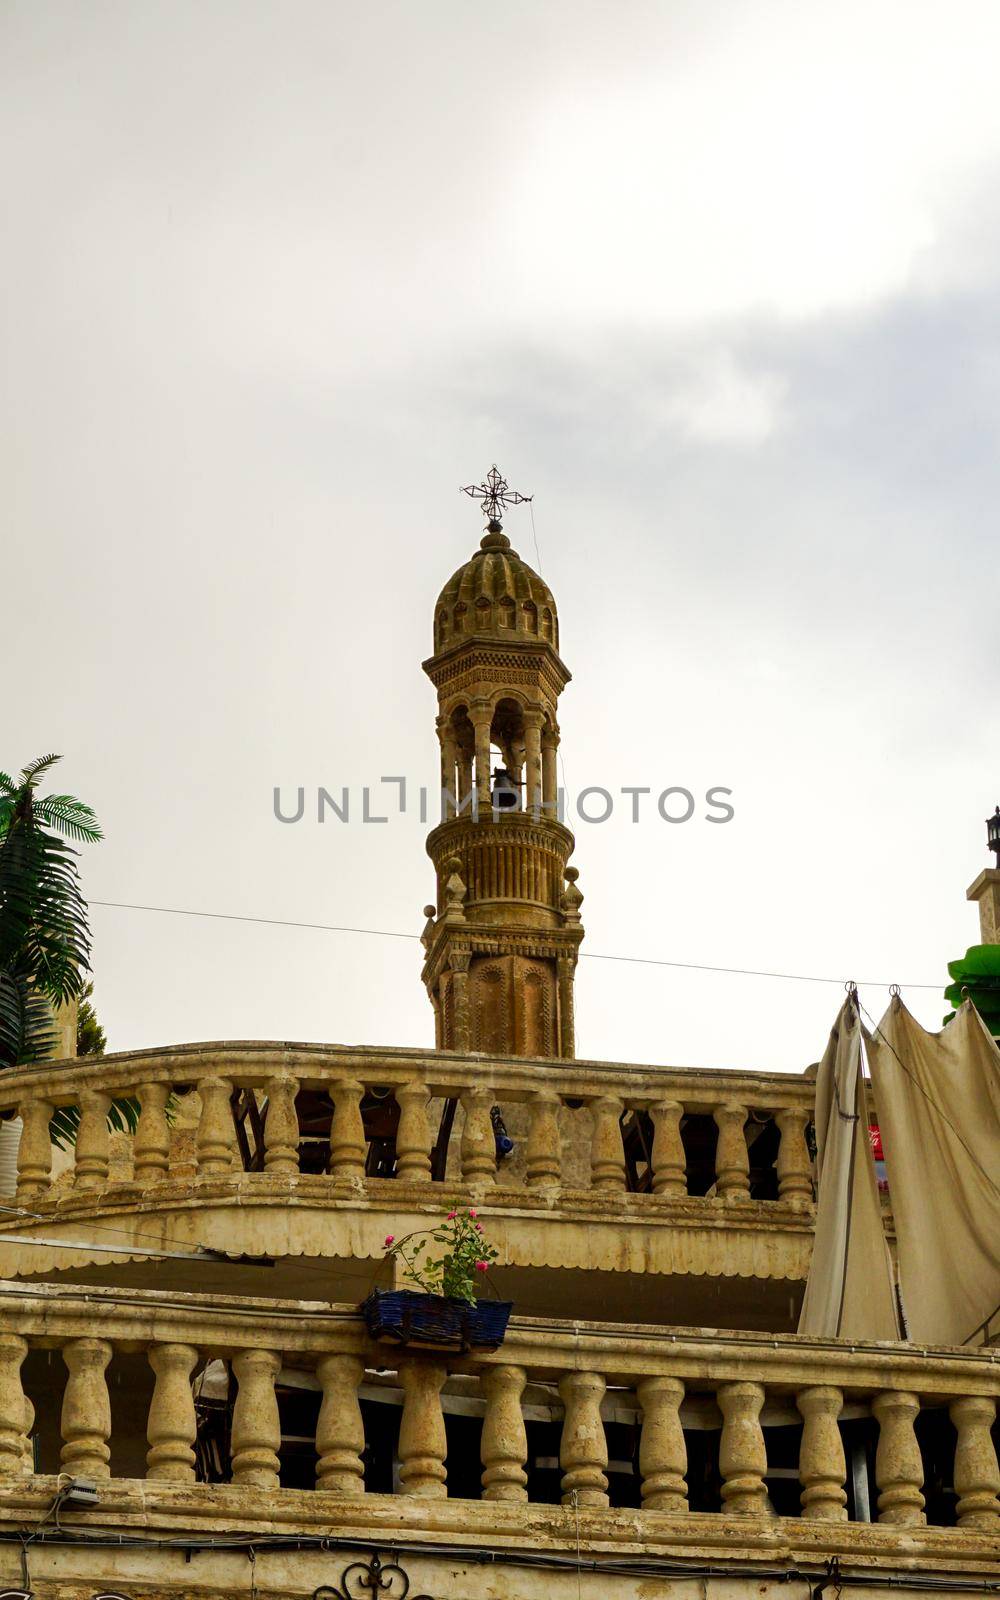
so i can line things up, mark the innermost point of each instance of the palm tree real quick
(44, 933)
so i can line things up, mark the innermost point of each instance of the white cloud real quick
(797, 160)
(723, 402)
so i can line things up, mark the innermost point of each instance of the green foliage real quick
(976, 977)
(91, 1038)
(465, 1257)
(44, 933)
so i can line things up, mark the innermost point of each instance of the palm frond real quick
(70, 816)
(34, 769)
(7, 783)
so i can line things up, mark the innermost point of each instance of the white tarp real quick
(850, 1293)
(938, 1101)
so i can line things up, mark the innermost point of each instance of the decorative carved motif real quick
(365, 1580)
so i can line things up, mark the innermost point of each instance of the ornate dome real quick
(495, 594)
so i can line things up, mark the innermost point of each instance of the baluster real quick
(340, 1431)
(543, 1162)
(977, 1479)
(348, 1149)
(732, 1158)
(92, 1147)
(669, 1158)
(171, 1427)
(216, 1133)
(13, 1350)
(413, 1135)
(256, 1435)
(793, 1164)
(86, 1409)
(662, 1450)
(479, 1149)
(423, 1446)
(281, 1126)
(899, 1471)
(607, 1156)
(822, 1468)
(583, 1451)
(152, 1135)
(742, 1454)
(504, 1446)
(34, 1154)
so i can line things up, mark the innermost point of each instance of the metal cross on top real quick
(495, 496)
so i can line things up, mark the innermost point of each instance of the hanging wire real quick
(585, 955)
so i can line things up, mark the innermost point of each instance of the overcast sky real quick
(717, 283)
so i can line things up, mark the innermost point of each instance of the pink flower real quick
(389, 1238)
(482, 1266)
(451, 1216)
(479, 1227)
(473, 1212)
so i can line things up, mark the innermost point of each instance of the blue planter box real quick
(405, 1316)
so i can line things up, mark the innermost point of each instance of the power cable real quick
(585, 955)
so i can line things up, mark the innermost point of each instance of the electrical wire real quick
(585, 955)
(512, 1555)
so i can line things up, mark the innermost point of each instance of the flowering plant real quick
(466, 1255)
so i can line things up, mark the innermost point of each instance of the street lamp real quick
(993, 833)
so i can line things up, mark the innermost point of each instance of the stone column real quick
(977, 1480)
(348, 1149)
(899, 1471)
(423, 1446)
(479, 1149)
(216, 1135)
(465, 781)
(413, 1135)
(669, 1158)
(152, 1135)
(543, 1160)
(458, 962)
(504, 1446)
(607, 1155)
(256, 1434)
(742, 1454)
(281, 1126)
(340, 1432)
(91, 1170)
(565, 967)
(481, 713)
(13, 1350)
(662, 1450)
(794, 1166)
(34, 1154)
(86, 1409)
(583, 1452)
(172, 1426)
(446, 740)
(533, 760)
(732, 1158)
(550, 771)
(822, 1468)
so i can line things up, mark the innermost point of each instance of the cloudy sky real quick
(718, 283)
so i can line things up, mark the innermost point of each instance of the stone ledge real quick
(178, 1511)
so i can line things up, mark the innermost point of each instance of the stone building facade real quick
(180, 1328)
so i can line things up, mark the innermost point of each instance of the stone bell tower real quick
(503, 938)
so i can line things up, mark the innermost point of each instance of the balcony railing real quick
(591, 1416)
(663, 1133)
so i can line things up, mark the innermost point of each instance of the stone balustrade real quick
(589, 1102)
(674, 1388)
